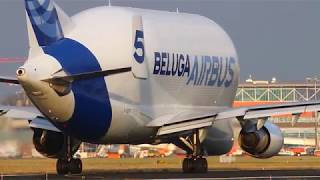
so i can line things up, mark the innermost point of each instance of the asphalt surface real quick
(166, 174)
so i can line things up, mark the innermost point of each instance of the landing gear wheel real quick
(201, 165)
(67, 164)
(75, 166)
(197, 165)
(205, 165)
(187, 165)
(195, 162)
(62, 166)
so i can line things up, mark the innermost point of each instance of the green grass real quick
(13, 166)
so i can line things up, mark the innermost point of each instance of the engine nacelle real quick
(263, 143)
(219, 138)
(52, 144)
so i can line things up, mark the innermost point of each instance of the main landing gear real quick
(68, 164)
(195, 162)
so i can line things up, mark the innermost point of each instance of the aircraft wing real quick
(37, 120)
(189, 120)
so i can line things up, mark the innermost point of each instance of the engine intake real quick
(51, 144)
(262, 143)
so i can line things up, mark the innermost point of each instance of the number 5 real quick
(139, 46)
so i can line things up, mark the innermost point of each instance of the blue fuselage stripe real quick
(92, 114)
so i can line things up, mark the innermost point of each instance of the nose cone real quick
(31, 75)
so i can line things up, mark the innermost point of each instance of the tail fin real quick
(44, 18)
(34, 48)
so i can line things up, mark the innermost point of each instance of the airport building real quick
(300, 132)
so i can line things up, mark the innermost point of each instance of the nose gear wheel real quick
(68, 164)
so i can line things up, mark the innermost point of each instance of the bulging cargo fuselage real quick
(179, 62)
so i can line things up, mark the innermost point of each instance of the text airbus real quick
(201, 71)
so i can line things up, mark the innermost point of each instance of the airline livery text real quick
(200, 70)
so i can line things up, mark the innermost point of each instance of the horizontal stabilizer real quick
(61, 76)
(10, 80)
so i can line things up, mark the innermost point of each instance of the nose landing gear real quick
(68, 164)
(195, 165)
(74, 166)
(195, 162)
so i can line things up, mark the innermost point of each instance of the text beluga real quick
(199, 70)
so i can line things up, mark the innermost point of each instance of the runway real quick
(166, 174)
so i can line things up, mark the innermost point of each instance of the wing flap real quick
(184, 126)
(188, 120)
(181, 117)
(269, 110)
(231, 113)
(273, 112)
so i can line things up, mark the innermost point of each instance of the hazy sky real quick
(273, 38)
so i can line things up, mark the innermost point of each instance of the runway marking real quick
(22, 175)
(204, 178)
(83, 176)
(258, 177)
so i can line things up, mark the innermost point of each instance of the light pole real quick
(315, 79)
(316, 130)
(316, 116)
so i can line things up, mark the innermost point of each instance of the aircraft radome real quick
(119, 75)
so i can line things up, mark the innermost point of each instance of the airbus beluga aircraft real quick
(118, 75)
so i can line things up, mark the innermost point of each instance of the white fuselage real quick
(107, 32)
(189, 63)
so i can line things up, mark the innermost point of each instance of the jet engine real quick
(262, 143)
(52, 144)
